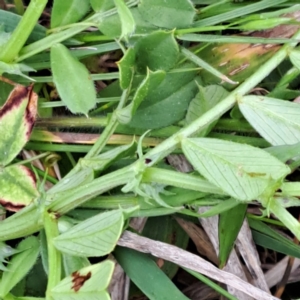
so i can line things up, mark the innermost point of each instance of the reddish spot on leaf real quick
(14, 203)
(19, 94)
(11, 206)
(15, 98)
(148, 161)
(31, 109)
(79, 280)
(253, 174)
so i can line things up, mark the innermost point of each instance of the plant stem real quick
(17, 40)
(285, 217)
(19, 6)
(253, 141)
(54, 256)
(167, 146)
(23, 223)
(105, 135)
(109, 129)
(182, 180)
(234, 125)
(88, 191)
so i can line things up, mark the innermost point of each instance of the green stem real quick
(9, 297)
(109, 129)
(88, 191)
(234, 125)
(17, 40)
(19, 6)
(63, 122)
(54, 256)
(57, 147)
(23, 223)
(253, 141)
(49, 41)
(167, 146)
(105, 135)
(203, 64)
(285, 217)
(182, 180)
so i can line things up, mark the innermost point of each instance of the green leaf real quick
(11, 20)
(72, 80)
(96, 236)
(4, 36)
(152, 80)
(127, 20)
(18, 187)
(88, 283)
(5, 90)
(68, 183)
(222, 207)
(168, 13)
(68, 12)
(295, 58)
(146, 275)
(17, 117)
(167, 103)
(16, 69)
(275, 120)
(74, 263)
(102, 5)
(290, 188)
(111, 26)
(284, 152)
(156, 51)
(126, 68)
(20, 264)
(266, 241)
(206, 67)
(230, 223)
(206, 99)
(242, 171)
(104, 160)
(24, 222)
(269, 238)
(264, 24)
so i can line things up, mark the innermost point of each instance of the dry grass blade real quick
(190, 261)
(233, 265)
(200, 239)
(119, 285)
(249, 253)
(274, 275)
